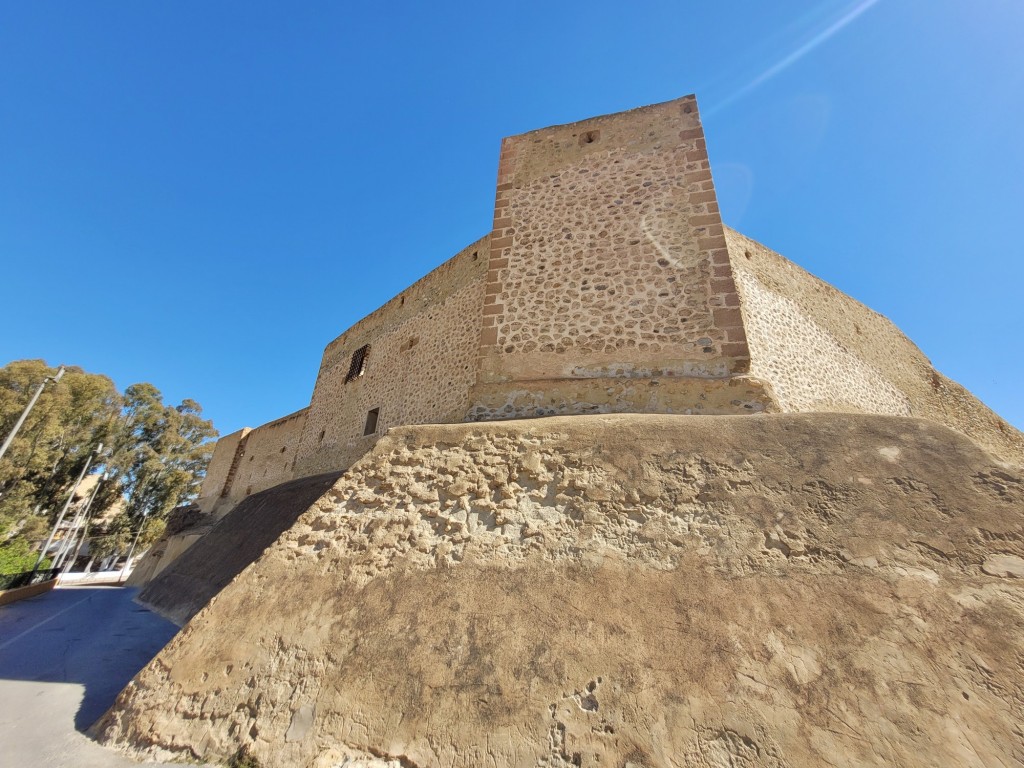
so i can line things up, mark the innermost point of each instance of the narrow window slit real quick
(371, 421)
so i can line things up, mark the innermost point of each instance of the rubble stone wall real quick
(821, 350)
(420, 365)
(608, 258)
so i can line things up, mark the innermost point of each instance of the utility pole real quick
(83, 515)
(71, 496)
(81, 543)
(24, 414)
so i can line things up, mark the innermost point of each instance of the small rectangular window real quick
(358, 364)
(371, 421)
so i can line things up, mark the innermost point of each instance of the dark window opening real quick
(371, 421)
(284, 448)
(322, 433)
(589, 137)
(358, 364)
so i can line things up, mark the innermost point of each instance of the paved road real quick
(64, 656)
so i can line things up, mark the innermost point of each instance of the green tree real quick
(155, 459)
(117, 536)
(70, 419)
(16, 556)
(158, 462)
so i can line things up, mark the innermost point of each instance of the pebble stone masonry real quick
(608, 284)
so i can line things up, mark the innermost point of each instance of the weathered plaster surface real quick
(657, 392)
(781, 590)
(219, 473)
(268, 455)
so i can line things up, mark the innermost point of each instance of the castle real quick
(608, 284)
(779, 579)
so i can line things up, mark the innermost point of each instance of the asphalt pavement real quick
(64, 657)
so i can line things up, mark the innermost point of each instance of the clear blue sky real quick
(203, 194)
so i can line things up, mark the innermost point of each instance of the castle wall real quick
(608, 263)
(608, 285)
(420, 366)
(219, 472)
(823, 351)
(267, 456)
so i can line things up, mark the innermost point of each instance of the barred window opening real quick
(357, 366)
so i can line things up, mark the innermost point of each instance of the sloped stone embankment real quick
(227, 546)
(788, 590)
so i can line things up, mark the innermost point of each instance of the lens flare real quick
(787, 61)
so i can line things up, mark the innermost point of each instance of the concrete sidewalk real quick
(64, 657)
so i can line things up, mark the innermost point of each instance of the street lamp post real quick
(85, 536)
(24, 414)
(71, 496)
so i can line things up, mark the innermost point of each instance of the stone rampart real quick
(221, 470)
(268, 455)
(251, 460)
(419, 364)
(821, 350)
(786, 590)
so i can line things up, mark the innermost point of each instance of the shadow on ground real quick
(95, 637)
